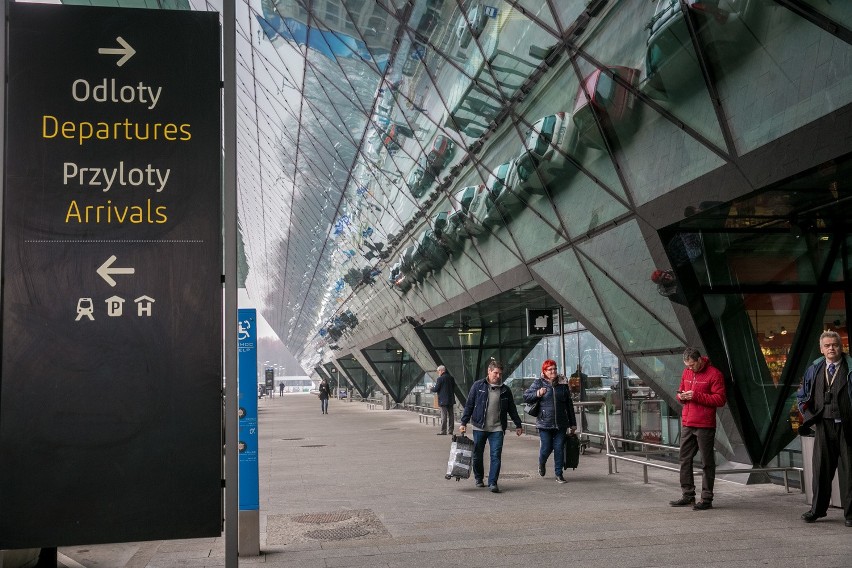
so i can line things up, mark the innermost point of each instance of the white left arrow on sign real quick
(126, 50)
(105, 271)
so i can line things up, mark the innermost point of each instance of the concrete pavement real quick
(359, 487)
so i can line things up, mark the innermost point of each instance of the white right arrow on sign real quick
(126, 50)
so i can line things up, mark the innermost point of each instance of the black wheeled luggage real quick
(572, 451)
(461, 458)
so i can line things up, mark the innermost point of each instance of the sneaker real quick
(703, 505)
(494, 488)
(479, 483)
(541, 469)
(560, 479)
(684, 501)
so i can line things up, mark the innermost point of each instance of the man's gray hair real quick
(441, 369)
(833, 335)
(495, 364)
(691, 354)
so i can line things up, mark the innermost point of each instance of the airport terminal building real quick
(646, 175)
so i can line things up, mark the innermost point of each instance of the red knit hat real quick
(548, 363)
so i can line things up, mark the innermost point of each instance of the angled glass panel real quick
(322, 372)
(567, 12)
(537, 11)
(586, 206)
(655, 155)
(653, 40)
(536, 228)
(623, 254)
(664, 371)
(840, 12)
(336, 381)
(551, 134)
(635, 327)
(804, 72)
(563, 272)
(785, 256)
(746, 323)
(358, 375)
(396, 368)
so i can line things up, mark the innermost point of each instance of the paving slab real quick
(359, 487)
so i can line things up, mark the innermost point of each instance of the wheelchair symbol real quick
(243, 328)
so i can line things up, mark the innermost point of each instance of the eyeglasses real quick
(550, 369)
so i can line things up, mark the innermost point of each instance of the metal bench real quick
(425, 418)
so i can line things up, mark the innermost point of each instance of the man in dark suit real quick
(825, 401)
(445, 386)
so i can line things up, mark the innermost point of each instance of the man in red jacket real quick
(702, 391)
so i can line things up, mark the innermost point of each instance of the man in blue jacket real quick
(445, 386)
(488, 403)
(825, 401)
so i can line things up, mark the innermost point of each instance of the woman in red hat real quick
(555, 417)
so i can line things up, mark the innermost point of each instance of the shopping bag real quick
(461, 458)
(571, 449)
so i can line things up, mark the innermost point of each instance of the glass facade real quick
(415, 174)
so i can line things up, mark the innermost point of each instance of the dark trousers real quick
(831, 452)
(448, 419)
(495, 444)
(692, 441)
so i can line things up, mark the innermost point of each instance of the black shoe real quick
(703, 505)
(560, 479)
(848, 522)
(541, 469)
(811, 517)
(684, 501)
(494, 488)
(442, 433)
(479, 483)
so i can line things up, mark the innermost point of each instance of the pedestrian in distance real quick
(324, 395)
(701, 391)
(487, 406)
(445, 386)
(555, 416)
(281, 388)
(825, 401)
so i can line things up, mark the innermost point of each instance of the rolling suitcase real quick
(572, 451)
(461, 458)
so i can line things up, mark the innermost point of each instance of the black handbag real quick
(532, 408)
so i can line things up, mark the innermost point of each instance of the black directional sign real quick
(110, 392)
(542, 322)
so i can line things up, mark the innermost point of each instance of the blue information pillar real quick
(247, 402)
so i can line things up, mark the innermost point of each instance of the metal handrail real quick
(614, 456)
(584, 404)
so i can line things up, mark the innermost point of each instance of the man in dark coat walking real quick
(445, 386)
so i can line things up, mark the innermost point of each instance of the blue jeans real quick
(324, 405)
(495, 444)
(552, 440)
